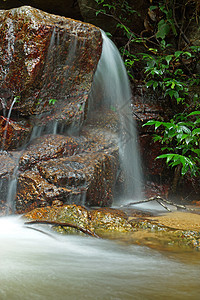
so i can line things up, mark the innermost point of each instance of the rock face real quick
(72, 170)
(47, 68)
(44, 57)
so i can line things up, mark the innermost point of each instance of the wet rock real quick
(87, 179)
(81, 169)
(46, 57)
(49, 147)
(172, 231)
(100, 222)
(13, 134)
(107, 221)
(34, 191)
(7, 164)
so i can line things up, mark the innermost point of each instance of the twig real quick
(41, 231)
(138, 202)
(163, 205)
(161, 201)
(86, 231)
(180, 29)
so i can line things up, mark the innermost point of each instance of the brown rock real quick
(12, 134)
(34, 191)
(49, 147)
(46, 57)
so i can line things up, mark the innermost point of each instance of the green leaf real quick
(52, 101)
(163, 29)
(197, 151)
(155, 85)
(153, 7)
(168, 58)
(194, 113)
(196, 131)
(150, 122)
(168, 156)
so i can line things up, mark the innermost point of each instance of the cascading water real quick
(12, 180)
(112, 85)
(111, 82)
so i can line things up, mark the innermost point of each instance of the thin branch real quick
(138, 202)
(86, 231)
(163, 205)
(161, 201)
(180, 30)
(41, 231)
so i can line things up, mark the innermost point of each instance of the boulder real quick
(86, 179)
(13, 134)
(98, 222)
(47, 65)
(48, 147)
(80, 169)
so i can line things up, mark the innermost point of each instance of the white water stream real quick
(36, 266)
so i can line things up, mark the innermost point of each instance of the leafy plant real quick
(167, 74)
(181, 139)
(169, 68)
(52, 101)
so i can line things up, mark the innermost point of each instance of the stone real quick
(46, 57)
(171, 231)
(13, 134)
(97, 222)
(48, 147)
(34, 191)
(86, 179)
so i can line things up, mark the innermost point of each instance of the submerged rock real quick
(98, 222)
(141, 229)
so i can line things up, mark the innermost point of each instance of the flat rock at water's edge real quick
(151, 231)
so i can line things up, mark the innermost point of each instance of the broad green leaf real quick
(196, 131)
(168, 58)
(153, 7)
(163, 29)
(168, 156)
(150, 122)
(197, 151)
(194, 113)
(182, 128)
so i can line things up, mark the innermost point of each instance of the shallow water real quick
(36, 266)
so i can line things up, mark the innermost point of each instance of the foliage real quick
(170, 69)
(167, 73)
(52, 101)
(181, 138)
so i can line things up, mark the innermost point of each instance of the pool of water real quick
(34, 265)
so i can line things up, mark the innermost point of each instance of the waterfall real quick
(111, 82)
(112, 85)
(7, 122)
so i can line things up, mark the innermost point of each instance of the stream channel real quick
(37, 266)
